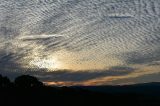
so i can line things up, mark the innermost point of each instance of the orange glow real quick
(59, 83)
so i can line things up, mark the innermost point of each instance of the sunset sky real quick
(81, 42)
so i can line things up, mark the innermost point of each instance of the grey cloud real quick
(141, 79)
(122, 68)
(8, 32)
(8, 61)
(154, 63)
(68, 75)
(141, 58)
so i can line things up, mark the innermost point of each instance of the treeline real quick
(27, 90)
(24, 81)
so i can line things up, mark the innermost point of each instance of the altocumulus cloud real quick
(113, 38)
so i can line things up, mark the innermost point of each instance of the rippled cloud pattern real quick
(81, 42)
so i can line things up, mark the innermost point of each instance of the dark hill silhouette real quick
(152, 88)
(28, 91)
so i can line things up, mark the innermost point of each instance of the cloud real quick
(8, 31)
(121, 68)
(49, 42)
(154, 63)
(78, 76)
(141, 79)
(142, 58)
(8, 60)
(13, 69)
(84, 34)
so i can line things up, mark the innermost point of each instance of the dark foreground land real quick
(28, 91)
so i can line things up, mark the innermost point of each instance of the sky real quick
(81, 42)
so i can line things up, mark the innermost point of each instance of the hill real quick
(27, 91)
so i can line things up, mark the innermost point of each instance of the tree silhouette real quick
(4, 81)
(1, 80)
(27, 81)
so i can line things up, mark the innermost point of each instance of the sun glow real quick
(46, 63)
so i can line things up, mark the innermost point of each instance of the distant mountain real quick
(152, 88)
